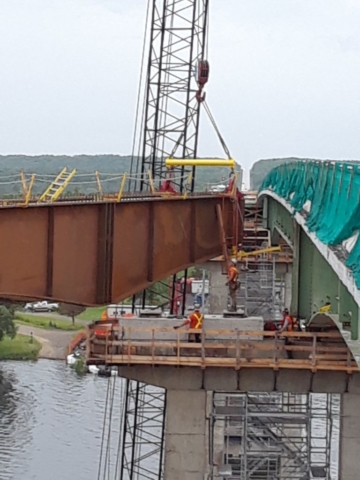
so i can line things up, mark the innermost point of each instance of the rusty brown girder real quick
(97, 253)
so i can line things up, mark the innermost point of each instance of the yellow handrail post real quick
(188, 181)
(28, 193)
(23, 183)
(100, 190)
(122, 186)
(151, 182)
(233, 192)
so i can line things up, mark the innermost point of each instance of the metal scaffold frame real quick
(261, 291)
(169, 124)
(275, 436)
(143, 434)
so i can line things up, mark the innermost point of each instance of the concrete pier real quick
(186, 435)
(350, 437)
(218, 291)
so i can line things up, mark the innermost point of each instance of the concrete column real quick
(186, 450)
(218, 297)
(350, 437)
(288, 289)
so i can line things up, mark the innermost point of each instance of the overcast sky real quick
(285, 77)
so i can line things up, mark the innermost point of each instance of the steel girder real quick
(97, 253)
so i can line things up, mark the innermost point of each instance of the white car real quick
(42, 307)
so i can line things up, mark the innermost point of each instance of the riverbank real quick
(51, 333)
(53, 343)
(22, 347)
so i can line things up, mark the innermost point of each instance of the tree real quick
(7, 326)
(71, 310)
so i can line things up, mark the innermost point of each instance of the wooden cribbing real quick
(242, 349)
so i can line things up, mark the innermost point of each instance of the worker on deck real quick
(195, 320)
(287, 322)
(233, 283)
(102, 332)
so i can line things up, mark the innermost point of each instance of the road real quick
(54, 342)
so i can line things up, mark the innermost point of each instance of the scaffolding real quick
(262, 291)
(274, 436)
(143, 432)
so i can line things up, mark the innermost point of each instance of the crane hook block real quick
(202, 72)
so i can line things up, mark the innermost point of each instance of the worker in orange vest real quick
(233, 283)
(102, 332)
(195, 320)
(287, 322)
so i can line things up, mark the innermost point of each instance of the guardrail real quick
(118, 345)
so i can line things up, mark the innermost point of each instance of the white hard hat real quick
(234, 260)
(197, 306)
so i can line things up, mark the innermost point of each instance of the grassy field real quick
(22, 347)
(91, 314)
(44, 322)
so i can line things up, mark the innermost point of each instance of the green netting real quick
(333, 189)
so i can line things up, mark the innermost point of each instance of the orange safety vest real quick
(231, 270)
(291, 322)
(196, 320)
(102, 333)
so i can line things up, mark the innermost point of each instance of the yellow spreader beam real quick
(199, 162)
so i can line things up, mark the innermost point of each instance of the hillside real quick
(46, 167)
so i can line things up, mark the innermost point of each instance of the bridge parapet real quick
(327, 194)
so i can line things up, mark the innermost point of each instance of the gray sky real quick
(285, 77)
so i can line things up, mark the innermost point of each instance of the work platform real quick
(239, 344)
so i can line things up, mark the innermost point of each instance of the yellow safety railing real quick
(241, 254)
(122, 186)
(99, 186)
(151, 182)
(187, 185)
(28, 193)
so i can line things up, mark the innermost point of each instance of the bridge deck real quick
(119, 345)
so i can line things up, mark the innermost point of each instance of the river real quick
(51, 422)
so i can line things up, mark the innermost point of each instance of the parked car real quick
(41, 307)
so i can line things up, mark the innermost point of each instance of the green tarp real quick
(333, 188)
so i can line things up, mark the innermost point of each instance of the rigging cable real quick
(108, 445)
(212, 120)
(121, 427)
(138, 98)
(103, 429)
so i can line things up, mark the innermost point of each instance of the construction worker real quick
(287, 322)
(102, 332)
(233, 283)
(195, 321)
